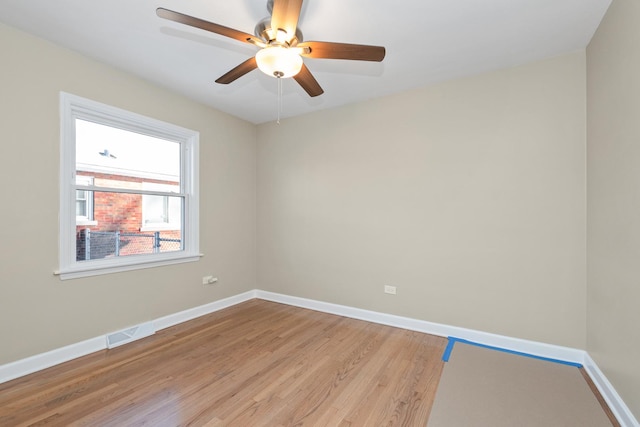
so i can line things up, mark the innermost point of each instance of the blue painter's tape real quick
(453, 340)
(449, 349)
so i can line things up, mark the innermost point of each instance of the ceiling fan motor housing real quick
(263, 30)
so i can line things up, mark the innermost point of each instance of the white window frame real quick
(73, 107)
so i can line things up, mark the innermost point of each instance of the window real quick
(84, 202)
(160, 212)
(128, 190)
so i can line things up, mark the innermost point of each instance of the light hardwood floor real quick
(255, 364)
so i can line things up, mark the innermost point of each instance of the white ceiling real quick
(427, 41)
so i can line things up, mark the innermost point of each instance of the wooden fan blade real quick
(206, 25)
(308, 82)
(357, 52)
(285, 16)
(239, 71)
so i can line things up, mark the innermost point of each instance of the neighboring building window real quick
(84, 202)
(128, 194)
(160, 212)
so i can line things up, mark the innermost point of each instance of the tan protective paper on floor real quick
(484, 387)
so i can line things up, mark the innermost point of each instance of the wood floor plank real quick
(254, 364)
(598, 396)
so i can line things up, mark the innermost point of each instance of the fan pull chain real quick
(279, 98)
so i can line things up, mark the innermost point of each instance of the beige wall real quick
(468, 196)
(613, 76)
(38, 312)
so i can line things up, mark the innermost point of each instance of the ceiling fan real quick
(281, 45)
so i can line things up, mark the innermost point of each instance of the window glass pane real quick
(81, 208)
(118, 158)
(119, 230)
(154, 208)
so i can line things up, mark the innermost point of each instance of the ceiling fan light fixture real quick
(282, 45)
(279, 61)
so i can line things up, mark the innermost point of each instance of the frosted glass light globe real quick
(278, 61)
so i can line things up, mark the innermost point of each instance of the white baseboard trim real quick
(514, 344)
(620, 410)
(192, 313)
(57, 356)
(51, 358)
(42, 361)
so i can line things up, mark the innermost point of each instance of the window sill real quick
(116, 266)
(86, 222)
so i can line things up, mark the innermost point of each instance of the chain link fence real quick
(105, 244)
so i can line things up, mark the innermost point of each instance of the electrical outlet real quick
(209, 280)
(389, 289)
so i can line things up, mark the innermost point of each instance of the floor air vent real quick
(131, 334)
